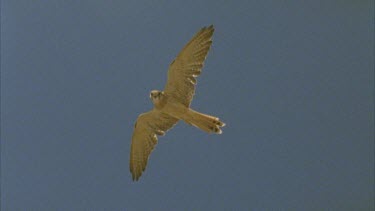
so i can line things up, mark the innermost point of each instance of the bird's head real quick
(156, 96)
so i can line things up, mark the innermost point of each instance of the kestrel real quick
(173, 104)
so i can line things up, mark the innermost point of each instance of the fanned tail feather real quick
(207, 123)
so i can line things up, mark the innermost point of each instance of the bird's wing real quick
(144, 139)
(187, 66)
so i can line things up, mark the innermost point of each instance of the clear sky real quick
(293, 80)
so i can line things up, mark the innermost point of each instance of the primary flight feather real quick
(173, 104)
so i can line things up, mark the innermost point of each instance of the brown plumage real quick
(173, 104)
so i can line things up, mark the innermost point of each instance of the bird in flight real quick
(173, 104)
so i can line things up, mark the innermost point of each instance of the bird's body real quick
(173, 104)
(182, 112)
(163, 103)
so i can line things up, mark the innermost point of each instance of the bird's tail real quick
(207, 123)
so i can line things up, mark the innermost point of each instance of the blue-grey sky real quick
(293, 80)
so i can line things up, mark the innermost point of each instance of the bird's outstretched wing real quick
(144, 139)
(187, 66)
